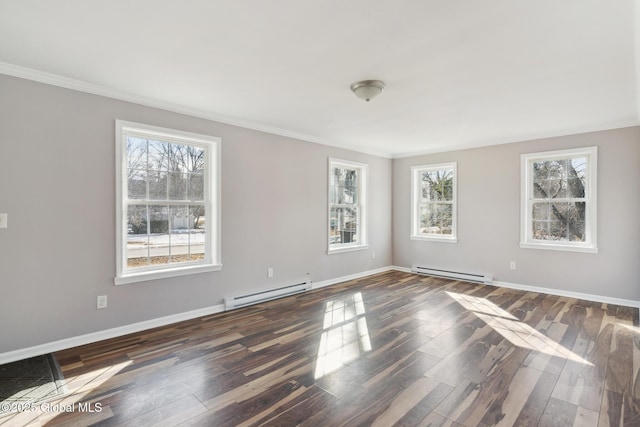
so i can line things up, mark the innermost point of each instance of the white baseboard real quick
(569, 294)
(403, 269)
(25, 353)
(12, 356)
(551, 291)
(318, 285)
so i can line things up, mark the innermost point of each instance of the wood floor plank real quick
(551, 362)
(312, 409)
(258, 385)
(536, 402)
(585, 418)
(558, 413)
(580, 384)
(389, 349)
(436, 420)
(275, 408)
(462, 362)
(171, 414)
(419, 414)
(620, 373)
(405, 401)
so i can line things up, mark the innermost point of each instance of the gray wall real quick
(57, 184)
(489, 218)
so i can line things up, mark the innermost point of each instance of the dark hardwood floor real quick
(390, 349)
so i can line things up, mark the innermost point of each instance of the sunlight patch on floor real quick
(82, 385)
(518, 333)
(78, 388)
(345, 335)
(633, 329)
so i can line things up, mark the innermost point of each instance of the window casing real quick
(558, 209)
(168, 211)
(434, 202)
(347, 206)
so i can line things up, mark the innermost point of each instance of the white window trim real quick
(415, 200)
(526, 239)
(212, 144)
(362, 197)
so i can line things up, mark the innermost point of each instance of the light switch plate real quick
(3, 220)
(101, 301)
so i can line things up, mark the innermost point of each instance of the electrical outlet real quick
(102, 301)
(270, 272)
(373, 255)
(3, 220)
(512, 265)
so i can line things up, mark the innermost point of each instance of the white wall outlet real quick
(270, 272)
(3, 220)
(102, 301)
(373, 255)
(512, 265)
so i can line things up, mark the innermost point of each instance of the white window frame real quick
(212, 147)
(416, 203)
(361, 171)
(527, 200)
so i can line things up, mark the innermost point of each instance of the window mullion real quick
(434, 202)
(346, 181)
(160, 173)
(568, 227)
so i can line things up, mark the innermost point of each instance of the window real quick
(168, 211)
(347, 206)
(433, 202)
(559, 200)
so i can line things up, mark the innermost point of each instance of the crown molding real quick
(524, 138)
(107, 92)
(94, 89)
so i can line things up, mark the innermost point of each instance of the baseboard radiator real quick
(255, 298)
(459, 275)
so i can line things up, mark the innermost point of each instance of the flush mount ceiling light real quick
(367, 89)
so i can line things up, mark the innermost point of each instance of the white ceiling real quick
(458, 73)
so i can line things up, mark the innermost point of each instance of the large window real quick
(559, 200)
(168, 210)
(347, 206)
(433, 206)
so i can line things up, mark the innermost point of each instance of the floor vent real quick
(469, 277)
(244, 300)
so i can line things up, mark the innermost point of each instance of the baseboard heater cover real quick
(469, 277)
(255, 298)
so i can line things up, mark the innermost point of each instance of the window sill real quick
(557, 247)
(347, 249)
(435, 239)
(144, 276)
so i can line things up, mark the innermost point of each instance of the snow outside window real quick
(168, 212)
